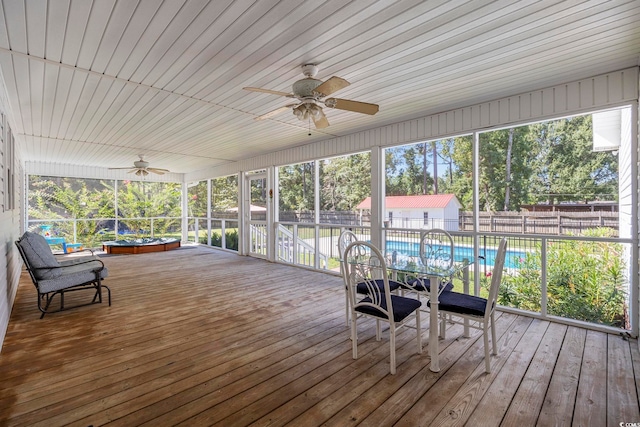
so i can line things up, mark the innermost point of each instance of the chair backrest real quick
(436, 248)
(37, 256)
(496, 276)
(364, 263)
(346, 238)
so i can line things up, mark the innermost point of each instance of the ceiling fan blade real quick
(321, 122)
(355, 106)
(158, 171)
(272, 92)
(274, 112)
(334, 84)
(128, 167)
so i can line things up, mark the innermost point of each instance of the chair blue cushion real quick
(424, 285)
(362, 288)
(456, 302)
(402, 307)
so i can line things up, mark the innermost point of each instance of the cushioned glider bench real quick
(52, 277)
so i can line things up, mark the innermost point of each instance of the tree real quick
(74, 199)
(345, 182)
(138, 201)
(499, 150)
(224, 194)
(458, 154)
(297, 187)
(407, 170)
(566, 167)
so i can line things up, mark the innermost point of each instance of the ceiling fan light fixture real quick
(316, 112)
(299, 111)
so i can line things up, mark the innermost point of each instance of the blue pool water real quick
(460, 253)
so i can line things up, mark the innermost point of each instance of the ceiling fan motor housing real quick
(141, 164)
(305, 87)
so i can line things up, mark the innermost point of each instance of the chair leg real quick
(108, 293)
(378, 330)
(487, 359)
(419, 331)
(443, 325)
(392, 343)
(346, 305)
(354, 336)
(493, 335)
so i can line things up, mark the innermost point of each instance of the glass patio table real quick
(438, 273)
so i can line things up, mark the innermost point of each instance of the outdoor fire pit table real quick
(140, 246)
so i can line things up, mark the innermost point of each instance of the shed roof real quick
(410, 202)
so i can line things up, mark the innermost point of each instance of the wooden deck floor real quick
(198, 336)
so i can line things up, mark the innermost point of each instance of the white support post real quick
(377, 198)
(270, 229)
(209, 213)
(243, 223)
(115, 204)
(316, 199)
(635, 251)
(476, 212)
(185, 211)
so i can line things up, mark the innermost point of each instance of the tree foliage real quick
(345, 182)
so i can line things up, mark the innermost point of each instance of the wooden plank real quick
(419, 402)
(593, 374)
(357, 398)
(496, 401)
(462, 403)
(525, 405)
(560, 399)
(622, 395)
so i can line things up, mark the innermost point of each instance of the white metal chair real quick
(477, 309)
(436, 250)
(364, 266)
(346, 238)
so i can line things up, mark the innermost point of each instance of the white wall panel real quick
(10, 230)
(74, 171)
(611, 89)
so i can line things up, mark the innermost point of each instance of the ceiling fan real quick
(141, 168)
(311, 95)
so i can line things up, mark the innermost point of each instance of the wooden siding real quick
(198, 336)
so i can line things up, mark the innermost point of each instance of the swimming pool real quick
(512, 258)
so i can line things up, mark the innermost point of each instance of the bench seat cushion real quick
(71, 275)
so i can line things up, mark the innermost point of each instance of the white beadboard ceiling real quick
(94, 83)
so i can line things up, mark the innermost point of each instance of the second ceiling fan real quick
(312, 95)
